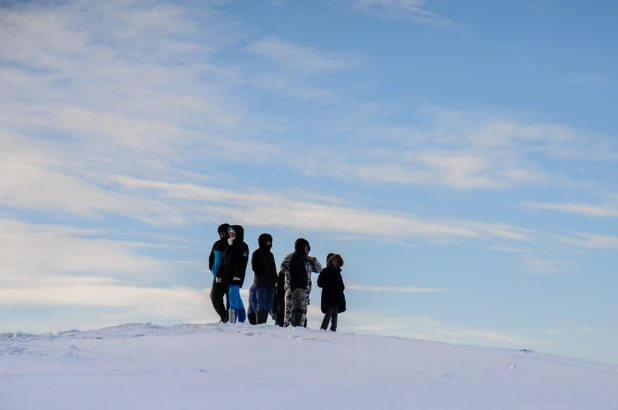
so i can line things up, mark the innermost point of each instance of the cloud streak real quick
(412, 10)
(398, 289)
(597, 211)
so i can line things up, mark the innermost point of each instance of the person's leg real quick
(242, 313)
(235, 302)
(327, 317)
(288, 309)
(333, 323)
(216, 297)
(299, 307)
(251, 312)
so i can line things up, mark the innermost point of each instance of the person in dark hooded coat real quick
(333, 299)
(235, 261)
(215, 263)
(278, 313)
(297, 267)
(264, 278)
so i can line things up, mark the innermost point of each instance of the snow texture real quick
(141, 366)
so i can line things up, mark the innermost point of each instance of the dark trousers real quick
(330, 316)
(217, 292)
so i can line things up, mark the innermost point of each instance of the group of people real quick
(284, 293)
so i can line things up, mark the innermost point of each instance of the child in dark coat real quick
(333, 299)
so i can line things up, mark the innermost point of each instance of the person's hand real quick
(218, 280)
(310, 258)
(236, 279)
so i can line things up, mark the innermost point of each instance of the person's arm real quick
(316, 267)
(217, 264)
(241, 267)
(321, 278)
(211, 258)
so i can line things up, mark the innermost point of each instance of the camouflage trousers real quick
(296, 302)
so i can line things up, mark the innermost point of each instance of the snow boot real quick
(262, 317)
(252, 317)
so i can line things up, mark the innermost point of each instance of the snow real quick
(142, 366)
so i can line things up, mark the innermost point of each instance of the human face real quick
(232, 234)
(269, 243)
(307, 250)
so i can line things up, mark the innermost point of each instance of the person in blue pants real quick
(264, 278)
(235, 261)
(251, 317)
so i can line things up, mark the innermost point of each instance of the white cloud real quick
(426, 328)
(538, 265)
(297, 58)
(413, 10)
(588, 240)
(554, 332)
(582, 209)
(399, 289)
(34, 253)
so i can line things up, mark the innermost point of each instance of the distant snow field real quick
(141, 366)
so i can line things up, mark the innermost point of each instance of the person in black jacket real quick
(215, 263)
(279, 300)
(333, 299)
(235, 261)
(265, 278)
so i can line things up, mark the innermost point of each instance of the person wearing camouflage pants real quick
(298, 287)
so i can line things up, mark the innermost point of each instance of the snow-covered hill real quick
(264, 367)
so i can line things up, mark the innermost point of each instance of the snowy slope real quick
(263, 367)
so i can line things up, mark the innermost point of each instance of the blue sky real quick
(461, 157)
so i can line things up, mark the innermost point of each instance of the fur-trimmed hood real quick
(334, 256)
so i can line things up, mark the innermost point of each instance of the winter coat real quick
(299, 277)
(215, 259)
(263, 265)
(235, 260)
(331, 282)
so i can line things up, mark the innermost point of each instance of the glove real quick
(236, 279)
(219, 280)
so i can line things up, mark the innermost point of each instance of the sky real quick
(461, 156)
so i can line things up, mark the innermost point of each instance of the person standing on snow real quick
(279, 300)
(251, 317)
(235, 261)
(297, 267)
(215, 263)
(333, 299)
(265, 278)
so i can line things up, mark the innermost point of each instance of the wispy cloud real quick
(424, 327)
(413, 10)
(298, 58)
(554, 332)
(464, 150)
(588, 240)
(537, 265)
(582, 209)
(399, 289)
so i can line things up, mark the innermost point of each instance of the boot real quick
(297, 317)
(232, 316)
(252, 318)
(262, 317)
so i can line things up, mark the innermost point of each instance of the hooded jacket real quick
(298, 266)
(235, 259)
(263, 264)
(215, 259)
(331, 282)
